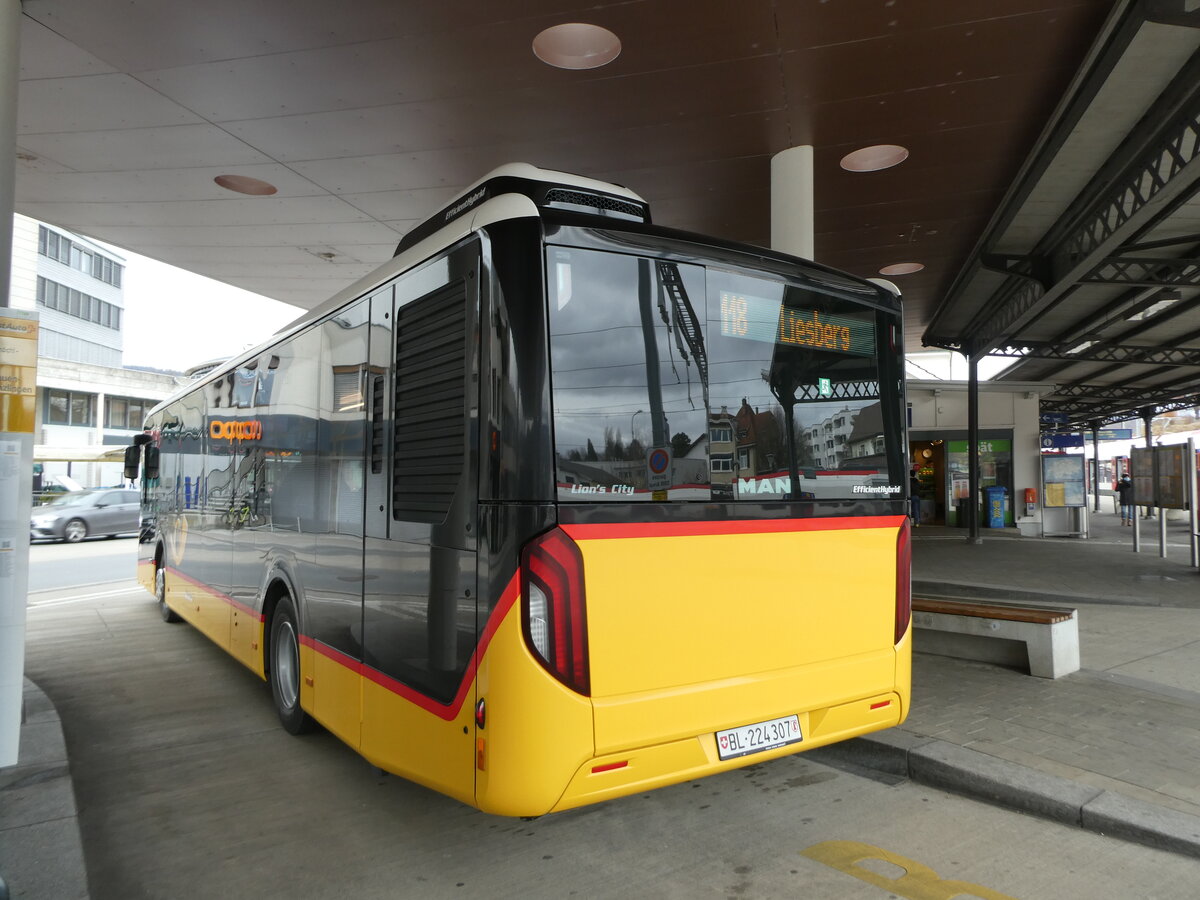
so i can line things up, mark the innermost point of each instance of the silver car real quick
(78, 514)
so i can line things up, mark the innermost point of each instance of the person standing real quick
(1125, 498)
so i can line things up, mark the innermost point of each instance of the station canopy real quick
(1049, 189)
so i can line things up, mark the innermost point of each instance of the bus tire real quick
(284, 668)
(160, 594)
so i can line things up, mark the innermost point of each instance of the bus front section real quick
(727, 577)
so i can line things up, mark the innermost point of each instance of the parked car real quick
(54, 486)
(75, 515)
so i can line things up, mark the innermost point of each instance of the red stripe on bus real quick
(688, 529)
(450, 711)
(217, 595)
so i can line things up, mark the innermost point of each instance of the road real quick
(187, 787)
(55, 565)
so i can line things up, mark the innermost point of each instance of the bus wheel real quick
(160, 594)
(285, 668)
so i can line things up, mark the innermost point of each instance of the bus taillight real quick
(554, 613)
(903, 580)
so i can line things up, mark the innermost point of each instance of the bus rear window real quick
(674, 381)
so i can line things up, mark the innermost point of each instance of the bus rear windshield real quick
(674, 381)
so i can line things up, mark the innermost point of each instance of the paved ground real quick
(1121, 737)
(1114, 748)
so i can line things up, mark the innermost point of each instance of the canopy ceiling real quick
(369, 115)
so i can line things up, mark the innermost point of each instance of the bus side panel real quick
(679, 645)
(332, 689)
(904, 672)
(417, 738)
(537, 732)
(203, 607)
(145, 568)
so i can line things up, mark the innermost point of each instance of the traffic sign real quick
(658, 468)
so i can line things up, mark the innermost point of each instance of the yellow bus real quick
(556, 506)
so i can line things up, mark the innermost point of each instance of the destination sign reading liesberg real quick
(769, 321)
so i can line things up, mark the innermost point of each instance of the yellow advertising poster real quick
(18, 371)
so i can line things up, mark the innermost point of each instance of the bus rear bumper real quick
(619, 774)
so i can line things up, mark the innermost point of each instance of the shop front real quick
(942, 469)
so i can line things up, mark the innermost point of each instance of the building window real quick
(53, 295)
(126, 413)
(55, 246)
(68, 408)
(722, 463)
(720, 433)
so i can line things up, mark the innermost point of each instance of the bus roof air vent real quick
(601, 204)
(547, 189)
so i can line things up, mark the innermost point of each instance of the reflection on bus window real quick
(755, 389)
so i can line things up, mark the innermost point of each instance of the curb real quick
(997, 781)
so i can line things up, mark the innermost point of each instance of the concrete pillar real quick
(16, 419)
(792, 201)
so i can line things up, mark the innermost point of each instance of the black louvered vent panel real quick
(377, 424)
(430, 410)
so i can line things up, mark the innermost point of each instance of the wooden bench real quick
(1043, 639)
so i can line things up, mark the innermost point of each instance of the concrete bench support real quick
(1043, 639)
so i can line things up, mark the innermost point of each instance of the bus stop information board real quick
(1160, 476)
(1063, 479)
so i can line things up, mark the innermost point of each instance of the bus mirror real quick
(151, 462)
(133, 456)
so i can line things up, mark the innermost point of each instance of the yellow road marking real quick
(919, 882)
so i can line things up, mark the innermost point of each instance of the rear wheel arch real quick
(277, 586)
(283, 660)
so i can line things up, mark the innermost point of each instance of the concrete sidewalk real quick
(1114, 747)
(41, 854)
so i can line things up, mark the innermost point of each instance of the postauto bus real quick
(554, 507)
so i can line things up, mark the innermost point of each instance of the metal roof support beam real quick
(1143, 272)
(1176, 390)
(1125, 354)
(1121, 29)
(1162, 176)
(1107, 413)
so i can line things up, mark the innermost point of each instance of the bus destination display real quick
(770, 321)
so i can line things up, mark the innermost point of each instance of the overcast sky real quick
(175, 319)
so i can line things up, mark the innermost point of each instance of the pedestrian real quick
(914, 497)
(1125, 498)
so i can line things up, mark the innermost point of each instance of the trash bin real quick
(996, 505)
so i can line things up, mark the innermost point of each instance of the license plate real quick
(758, 737)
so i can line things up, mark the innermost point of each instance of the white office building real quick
(89, 406)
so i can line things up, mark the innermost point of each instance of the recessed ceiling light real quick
(902, 268)
(243, 184)
(576, 45)
(874, 158)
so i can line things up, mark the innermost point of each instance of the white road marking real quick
(83, 598)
